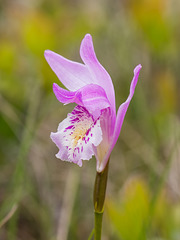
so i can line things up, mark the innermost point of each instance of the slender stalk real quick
(99, 198)
(91, 234)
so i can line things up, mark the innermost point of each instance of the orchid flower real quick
(93, 127)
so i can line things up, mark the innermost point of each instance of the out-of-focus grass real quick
(44, 198)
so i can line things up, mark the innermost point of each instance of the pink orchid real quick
(93, 127)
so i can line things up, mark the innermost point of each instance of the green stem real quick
(97, 225)
(99, 198)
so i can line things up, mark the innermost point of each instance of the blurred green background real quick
(43, 198)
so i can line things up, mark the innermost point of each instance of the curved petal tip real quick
(137, 68)
(47, 53)
(88, 35)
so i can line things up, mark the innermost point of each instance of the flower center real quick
(80, 130)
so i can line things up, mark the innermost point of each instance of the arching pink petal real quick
(99, 74)
(73, 75)
(123, 108)
(120, 118)
(91, 96)
(63, 95)
(77, 135)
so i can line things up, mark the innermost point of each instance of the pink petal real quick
(99, 74)
(107, 121)
(120, 118)
(73, 75)
(123, 108)
(91, 96)
(63, 95)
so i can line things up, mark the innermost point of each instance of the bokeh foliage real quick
(44, 198)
